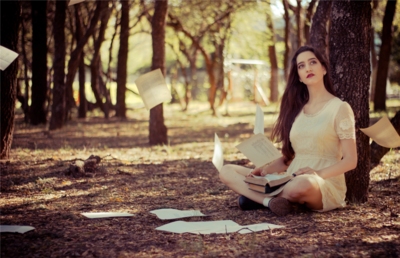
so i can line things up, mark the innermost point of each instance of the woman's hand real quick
(306, 170)
(258, 172)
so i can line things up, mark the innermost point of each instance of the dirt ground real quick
(37, 190)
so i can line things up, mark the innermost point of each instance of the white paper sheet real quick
(383, 133)
(153, 89)
(176, 214)
(218, 157)
(72, 2)
(259, 150)
(7, 56)
(259, 123)
(214, 227)
(99, 215)
(262, 94)
(15, 228)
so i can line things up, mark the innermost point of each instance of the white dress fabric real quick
(316, 142)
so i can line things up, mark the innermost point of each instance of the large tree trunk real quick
(273, 82)
(384, 57)
(299, 22)
(38, 114)
(10, 15)
(349, 48)
(25, 106)
(377, 151)
(319, 28)
(157, 128)
(58, 105)
(122, 60)
(307, 22)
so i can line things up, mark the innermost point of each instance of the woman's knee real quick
(224, 173)
(302, 186)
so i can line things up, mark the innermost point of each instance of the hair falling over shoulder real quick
(293, 100)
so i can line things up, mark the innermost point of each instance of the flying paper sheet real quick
(262, 94)
(383, 133)
(153, 89)
(259, 124)
(259, 150)
(214, 227)
(72, 2)
(218, 157)
(7, 56)
(100, 215)
(175, 214)
(15, 229)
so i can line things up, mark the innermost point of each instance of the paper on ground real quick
(153, 89)
(218, 157)
(175, 214)
(259, 124)
(72, 2)
(15, 229)
(383, 133)
(99, 215)
(7, 56)
(214, 227)
(259, 150)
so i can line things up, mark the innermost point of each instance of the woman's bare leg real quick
(304, 189)
(233, 176)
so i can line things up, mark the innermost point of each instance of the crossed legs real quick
(303, 189)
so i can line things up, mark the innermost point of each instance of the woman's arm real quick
(275, 166)
(347, 163)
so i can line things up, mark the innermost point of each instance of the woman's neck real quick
(318, 95)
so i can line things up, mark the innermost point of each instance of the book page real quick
(259, 150)
(383, 133)
(218, 157)
(259, 123)
(176, 214)
(100, 215)
(7, 56)
(153, 89)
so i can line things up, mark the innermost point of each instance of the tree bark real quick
(157, 128)
(122, 60)
(350, 66)
(299, 22)
(377, 151)
(319, 27)
(26, 68)
(273, 82)
(307, 22)
(83, 104)
(10, 12)
(38, 114)
(384, 57)
(58, 105)
(288, 47)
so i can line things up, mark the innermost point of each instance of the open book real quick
(268, 183)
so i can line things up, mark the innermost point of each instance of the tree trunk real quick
(74, 60)
(273, 82)
(83, 104)
(288, 47)
(39, 63)
(26, 68)
(122, 60)
(307, 22)
(96, 62)
(384, 57)
(377, 151)
(319, 28)
(10, 15)
(157, 128)
(299, 22)
(58, 105)
(349, 49)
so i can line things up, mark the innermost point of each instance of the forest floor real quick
(37, 190)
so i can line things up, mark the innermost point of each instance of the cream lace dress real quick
(316, 141)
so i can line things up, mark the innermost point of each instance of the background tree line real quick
(58, 43)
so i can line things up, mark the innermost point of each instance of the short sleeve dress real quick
(316, 141)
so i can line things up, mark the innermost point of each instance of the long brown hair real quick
(293, 100)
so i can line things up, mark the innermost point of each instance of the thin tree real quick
(288, 46)
(58, 105)
(384, 57)
(157, 128)
(122, 60)
(350, 65)
(10, 12)
(273, 82)
(38, 110)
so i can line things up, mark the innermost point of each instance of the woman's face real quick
(309, 68)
